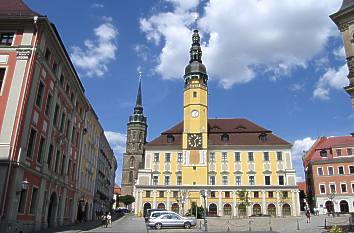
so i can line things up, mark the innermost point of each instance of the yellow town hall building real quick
(241, 168)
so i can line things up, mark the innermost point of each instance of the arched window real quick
(170, 138)
(263, 137)
(225, 137)
(131, 162)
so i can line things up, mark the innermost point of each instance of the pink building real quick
(329, 170)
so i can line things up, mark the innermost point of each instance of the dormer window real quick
(170, 138)
(263, 137)
(240, 127)
(6, 38)
(323, 153)
(225, 137)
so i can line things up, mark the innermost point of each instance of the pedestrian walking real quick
(109, 220)
(104, 220)
(308, 216)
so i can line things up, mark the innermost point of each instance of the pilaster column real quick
(298, 203)
(168, 204)
(220, 212)
(154, 200)
(141, 202)
(278, 204)
(234, 203)
(206, 202)
(135, 206)
(264, 204)
(293, 206)
(249, 208)
(186, 204)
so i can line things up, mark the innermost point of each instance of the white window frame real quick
(222, 180)
(352, 185)
(153, 180)
(254, 180)
(210, 180)
(212, 155)
(169, 180)
(5, 75)
(332, 171)
(345, 186)
(335, 187)
(349, 169)
(239, 153)
(270, 180)
(343, 170)
(224, 156)
(318, 174)
(240, 180)
(13, 39)
(319, 186)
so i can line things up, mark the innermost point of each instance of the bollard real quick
(297, 224)
(270, 225)
(200, 225)
(325, 223)
(249, 225)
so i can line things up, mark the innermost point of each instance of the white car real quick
(171, 220)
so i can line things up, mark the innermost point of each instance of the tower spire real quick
(195, 51)
(138, 114)
(139, 101)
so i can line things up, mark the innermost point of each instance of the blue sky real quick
(280, 64)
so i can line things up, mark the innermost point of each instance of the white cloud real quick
(97, 5)
(239, 35)
(300, 146)
(94, 58)
(117, 141)
(339, 53)
(332, 79)
(297, 87)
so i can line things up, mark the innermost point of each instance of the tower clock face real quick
(195, 113)
(194, 141)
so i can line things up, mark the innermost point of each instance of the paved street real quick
(132, 224)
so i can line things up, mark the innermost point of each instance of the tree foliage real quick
(127, 199)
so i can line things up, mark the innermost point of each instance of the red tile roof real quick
(302, 186)
(240, 132)
(15, 8)
(327, 143)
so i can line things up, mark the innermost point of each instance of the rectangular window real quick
(281, 180)
(332, 188)
(224, 156)
(251, 180)
(343, 188)
(212, 180)
(34, 200)
(256, 194)
(341, 170)
(155, 180)
(156, 157)
(47, 54)
(2, 77)
(50, 154)
(225, 180)
(31, 143)
(211, 157)
(320, 171)
(22, 202)
(161, 193)
(322, 189)
(227, 194)
(266, 156)
(40, 94)
(330, 171)
(56, 112)
(250, 156)
(237, 156)
(167, 157)
(267, 180)
(175, 194)
(179, 180)
(349, 151)
(238, 180)
(279, 155)
(48, 104)
(339, 152)
(212, 194)
(167, 180)
(180, 157)
(351, 169)
(270, 194)
(6, 38)
(285, 194)
(40, 150)
(147, 194)
(194, 94)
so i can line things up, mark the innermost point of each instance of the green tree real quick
(194, 208)
(127, 199)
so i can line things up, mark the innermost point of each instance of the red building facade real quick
(329, 170)
(42, 113)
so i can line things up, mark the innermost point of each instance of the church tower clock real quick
(195, 125)
(133, 158)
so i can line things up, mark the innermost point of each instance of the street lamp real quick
(25, 184)
(204, 194)
(331, 197)
(181, 199)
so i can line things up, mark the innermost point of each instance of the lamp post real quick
(204, 194)
(331, 197)
(181, 199)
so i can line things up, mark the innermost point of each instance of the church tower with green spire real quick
(136, 138)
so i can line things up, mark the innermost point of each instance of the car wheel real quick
(187, 225)
(158, 226)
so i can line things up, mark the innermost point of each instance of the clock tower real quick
(195, 124)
